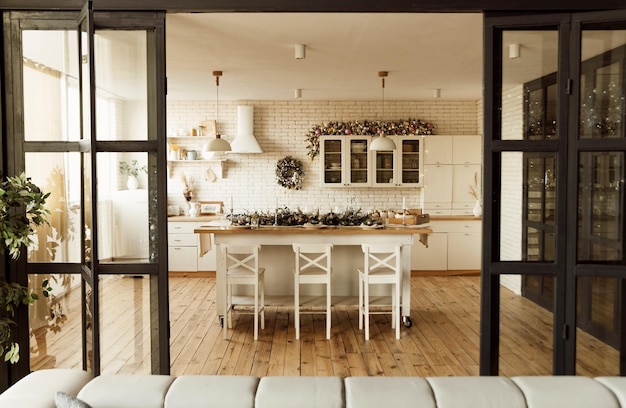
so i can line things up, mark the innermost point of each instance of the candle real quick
(404, 203)
(231, 202)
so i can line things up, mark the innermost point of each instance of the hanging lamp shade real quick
(382, 142)
(218, 144)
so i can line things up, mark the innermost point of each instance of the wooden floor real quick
(444, 338)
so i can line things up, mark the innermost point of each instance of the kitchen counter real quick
(277, 257)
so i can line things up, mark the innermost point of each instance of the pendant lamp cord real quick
(217, 75)
(382, 75)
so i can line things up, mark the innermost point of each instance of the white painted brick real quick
(281, 128)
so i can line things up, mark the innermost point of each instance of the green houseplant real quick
(22, 208)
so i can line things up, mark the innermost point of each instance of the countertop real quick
(207, 218)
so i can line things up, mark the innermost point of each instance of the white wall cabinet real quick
(347, 162)
(402, 167)
(451, 166)
(453, 245)
(184, 249)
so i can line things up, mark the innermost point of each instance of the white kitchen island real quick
(277, 257)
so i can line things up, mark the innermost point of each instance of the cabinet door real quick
(331, 159)
(357, 162)
(467, 149)
(438, 150)
(464, 251)
(437, 184)
(182, 259)
(464, 176)
(208, 261)
(384, 164)
(431, 258)
(410, 164)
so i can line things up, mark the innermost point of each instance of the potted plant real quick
(22, 208)
(132, 170)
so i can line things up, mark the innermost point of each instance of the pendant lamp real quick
(218, 144)
(382, 142)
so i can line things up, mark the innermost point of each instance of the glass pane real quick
(59, 175)
(50, 72)
(602, 84)
(597, 334)
(125, 323)
(529, 66)
(358, 161)
(55, 339)
(121, 83)
(526, 325)
(123, 211)
(410, 161)
(384, 167)
(332, 161)
(528, 213)
(600, 208)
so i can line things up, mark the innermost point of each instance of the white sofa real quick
(38, 390)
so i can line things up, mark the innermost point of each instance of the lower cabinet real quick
(453, 245)
(184, 249)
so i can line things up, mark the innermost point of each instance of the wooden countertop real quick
(326, 230)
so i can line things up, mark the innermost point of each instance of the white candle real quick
(404, 203)
(231, 202)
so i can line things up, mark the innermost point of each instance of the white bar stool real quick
(242, 268)
(313, 266)
(382, 266)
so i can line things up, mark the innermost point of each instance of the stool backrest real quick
(382, 257)
(313, 256)
(244, 257)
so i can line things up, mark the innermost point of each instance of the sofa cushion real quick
(212, 391)
(301, 392)
(460, 392)
(47, 383)
(617, 385)
(564, 391)
(126, 391)
(396, 392)
(64, 400)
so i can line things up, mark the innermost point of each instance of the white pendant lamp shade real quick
(245, 142)
(218, 144)
(382, 142)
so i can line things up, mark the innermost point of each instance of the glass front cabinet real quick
(347, 162)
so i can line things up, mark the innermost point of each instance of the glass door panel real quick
(121, 85)
(359, 161)
(332, 157)
(384, 170)
(601, 198)
(50, 75)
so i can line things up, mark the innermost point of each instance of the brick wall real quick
(281, 128)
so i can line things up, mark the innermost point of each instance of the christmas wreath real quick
(289, 173)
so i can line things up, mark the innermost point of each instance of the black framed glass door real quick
(96, 259)
(554, 151)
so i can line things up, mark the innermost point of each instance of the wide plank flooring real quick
(443, 340)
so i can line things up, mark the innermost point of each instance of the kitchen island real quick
(277, 257)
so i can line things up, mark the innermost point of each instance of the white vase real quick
(478, 209)
(193, 209)
(132, 183)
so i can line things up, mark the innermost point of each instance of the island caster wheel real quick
(406, 320)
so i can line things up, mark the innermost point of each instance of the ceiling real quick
(344, 52)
